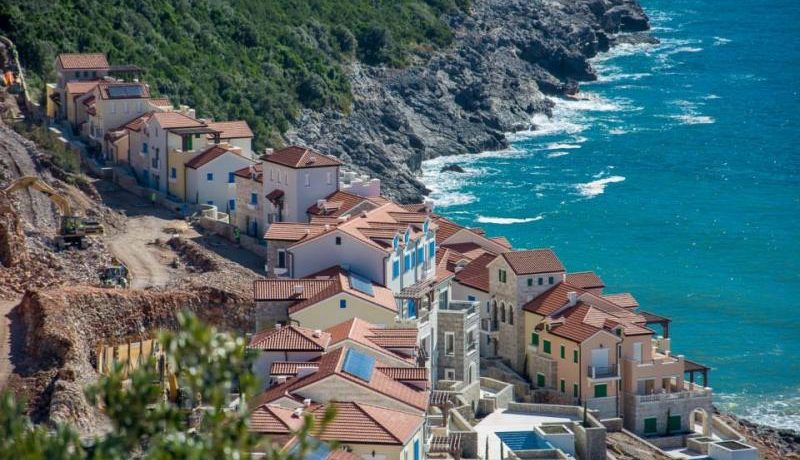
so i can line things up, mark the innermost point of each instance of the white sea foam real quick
(557, 154)
(779, 411)
(597, 187)
(686, 49)
(558, 146)
(617, 131)
(690, 119)
(719, 41)
(507, 220)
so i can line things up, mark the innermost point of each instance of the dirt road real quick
(7, 335)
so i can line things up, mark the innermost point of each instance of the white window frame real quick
(308, 180)
(449, 373)
(329, 177)
(452, 337)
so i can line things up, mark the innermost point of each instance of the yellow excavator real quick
(74, 229)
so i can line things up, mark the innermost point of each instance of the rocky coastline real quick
(507, 57)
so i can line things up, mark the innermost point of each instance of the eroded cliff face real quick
(508, 55)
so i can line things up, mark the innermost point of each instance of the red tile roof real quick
(287, 231)
(406, 374)
(88, 101)
(447, 228)
(624, 300)
(552, 299)
(476, 273)
(79, 61)
(339, 203)
(80, 87)
(383, 340)
(286, 289)
(209, 155)
(290, 338)
(171, 120)
(502, 240)
(273, 419)
(359, 423)
(161, 101)
(585, 280)
(136, 123)
(232, 129)
(254, 172)
(340, 282)
(533, 261)
(291, 368)
(469, 250)
(300, 157)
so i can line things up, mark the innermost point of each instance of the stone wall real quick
(662, 406)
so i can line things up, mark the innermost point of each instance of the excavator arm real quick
(42, 186)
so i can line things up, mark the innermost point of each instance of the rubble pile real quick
(65, 325)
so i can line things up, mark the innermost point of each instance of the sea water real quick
(676, 178)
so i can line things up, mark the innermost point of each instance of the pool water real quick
(523, 440)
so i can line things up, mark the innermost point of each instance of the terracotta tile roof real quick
(161, 101)
(533, 261)
(339, 203)
(291, 368)
(447, 228)
(470, 250)
(585, 280)
(104, 86)
(172, 120)
(383, 340)
(359, 423)
(209, 155)
(254, 172)
(232, 129)
(340, 282)
(287, 231)
(552, 299)
(136, 123)
(88, 101)
(273, 419)
(406, 374)
(330, 365)
(340, 454)
(476, 273)
(285, 289)
(290, 338)
(624, 300)
(502, 240)
(79, 61)
(415, 207)
(300, 157)
(80, 87)
(444, 267)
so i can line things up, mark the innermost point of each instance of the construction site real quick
(76, 251)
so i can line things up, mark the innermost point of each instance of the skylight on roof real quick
(361, 284)
(358, 365)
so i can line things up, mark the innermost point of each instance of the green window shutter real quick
(534, 339)
(563, 386)
(540, 382)
(563, 352)
(530, 282)
(650, 425)
(601, 390)
(546, 346)
(674, 423)
(574, 390)
(574, 356)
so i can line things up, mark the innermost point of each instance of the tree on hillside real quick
(211, 365)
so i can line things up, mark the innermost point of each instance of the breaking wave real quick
(507, 220)
(597, 187)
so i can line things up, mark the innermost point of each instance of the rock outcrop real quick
(506, 57)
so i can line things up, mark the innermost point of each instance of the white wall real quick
(322, 253)
(200, 190)
(297, 196)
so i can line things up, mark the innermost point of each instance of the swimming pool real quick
(523, 440)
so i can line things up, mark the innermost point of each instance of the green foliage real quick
(258, 60)
(209, 364)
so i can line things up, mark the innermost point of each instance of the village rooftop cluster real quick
(431, 339)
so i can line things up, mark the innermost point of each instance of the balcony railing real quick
(469, 307)
(489, 325)
(689, 391)
(603, 372)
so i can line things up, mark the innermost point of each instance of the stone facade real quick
(248, 214)
(267, 313)
(273, 247)
(637, 408)
(459, 319)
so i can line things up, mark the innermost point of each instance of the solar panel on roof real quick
(125, 91)
(361, 284)
(358, 364)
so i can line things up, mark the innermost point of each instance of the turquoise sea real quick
(677, 179)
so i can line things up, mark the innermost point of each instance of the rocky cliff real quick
(508, 56)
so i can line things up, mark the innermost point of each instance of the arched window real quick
(510, 314)
(503, 312)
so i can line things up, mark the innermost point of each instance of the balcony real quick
(603, 372)
(689, 391)
(468, 307)
(489, 326)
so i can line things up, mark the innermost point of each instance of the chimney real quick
(327, 227)
(297, 412)
(299, 289)
(428, 206)
(269, 151)
(317, 333)
(572, 298)
(277, 325)
(307, 402)
(321, 203)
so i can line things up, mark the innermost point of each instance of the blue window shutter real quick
(432, 249)
(254, 198)
(395, 269)
(412, 308)
(342, 303)
(471, 298)
(416, 449)
(231, 179)
(232, 205)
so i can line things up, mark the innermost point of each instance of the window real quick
(471, 298)
(540, 381)
(600, 390)
(144, 147)
(308, 180)
(232, 205)
(534, 339)
(271, 174)
(211, 202)
(546, 346)
(574, 356)
(209, 176)
(94, 74)
(432, 250)
(471, 342)
(395, 268)
(187, 143)
(449, 343)
(650, 425)
(416, 449)
(551, 280)
(254, 198)
(329, 178)
(281, 258)
(342, 303)
(503, 313)
(449, 374)
(231, 178)
(510, 315)
(420, 255)
(540, 281)
(530, 282)
(338, 241)
(173, 173)
(563, 352)
(406, 263)
(574, 390)
(674, 423)
(563, 386)
(501, 275)
(113, 107)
